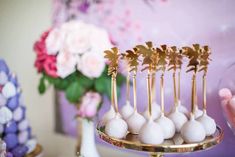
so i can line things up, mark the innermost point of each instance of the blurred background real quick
(179, 22)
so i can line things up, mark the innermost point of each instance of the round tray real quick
(36, 153)
(132, 142)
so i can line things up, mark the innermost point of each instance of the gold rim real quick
(132, 142)
(36, 152)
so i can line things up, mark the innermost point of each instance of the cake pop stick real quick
(150, 132)
(166, 124)
(207, 122)
(175, 62)
(127, 109)
(192, 125)
(115, 127)
(136, 120)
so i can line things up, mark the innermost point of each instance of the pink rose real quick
(89, 105)
(92, 64)
(54, 41)
(66, 63)
(44, 62)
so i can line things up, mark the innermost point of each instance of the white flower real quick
(3, 78)
(66, 63)
(54, 41)
(100, 40)
(77, 40)
(9, 90)
(92, 64)
(5, 115)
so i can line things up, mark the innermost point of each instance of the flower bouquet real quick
(70, 58)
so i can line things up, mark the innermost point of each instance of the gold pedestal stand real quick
(37, 152)
(132, 142)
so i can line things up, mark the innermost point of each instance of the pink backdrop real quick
(178, 22)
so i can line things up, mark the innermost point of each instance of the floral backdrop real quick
(180, 23)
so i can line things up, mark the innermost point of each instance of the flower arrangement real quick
(70, 58)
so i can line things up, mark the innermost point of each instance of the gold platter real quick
(36, 153)
(132, 142)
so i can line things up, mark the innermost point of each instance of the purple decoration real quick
(19, 151)
(9, 154)
(11, 127)
(84, 6)
(23, 125)
(13, 79)
(11, 140)
(3, 66)
(23, 136)
(19, 113)
(13, 103)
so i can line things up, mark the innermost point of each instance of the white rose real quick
(66, 64)
(54, 41)
(92, 64)
(100, 40)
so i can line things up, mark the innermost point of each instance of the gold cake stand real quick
(36, 153)
(132, 142)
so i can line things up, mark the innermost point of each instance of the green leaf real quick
(74, 92)
(120, 79)
(85, 81)
(103, 85)
(61, 84)
(42, 85)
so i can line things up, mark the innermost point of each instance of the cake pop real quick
(127, 110)
(167, 125)
(110, 114)
(207, 122)
(136, 120)
(156, 110)
(150, 132)
(3, 78)
(9, 90)
(193, 131)
(116, 127)
(175, 61)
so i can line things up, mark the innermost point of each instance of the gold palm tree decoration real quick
(113, 58)
(204, 59)
(175, 62)
(148, 53)
(193, 54)
(132, 58)
(161, 65)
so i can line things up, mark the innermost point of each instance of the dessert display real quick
(15, 130)
(175, 131)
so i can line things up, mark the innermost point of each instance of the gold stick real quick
(128, 86)
(179, 85)
(149, 93)
(115, 93)
(175, 95)
(112, 92)
(134, 90)
(204, 93)
(153, 87)
(162, 94)
(193, 94)
(196, 102)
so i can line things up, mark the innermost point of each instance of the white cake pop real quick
(178, 119)
(208, 123)
(178, 140)
(3, 100)
(198, 113)
(5, 115)
(108, 116)
(151, 133)
(193, 131)
(167, 126)
(116, 127)
(135, 122)
(182, 108)
(156, 111)
(127, 110)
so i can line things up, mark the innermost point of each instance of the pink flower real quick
(92, 64)
(44, 62)
(89, 104)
